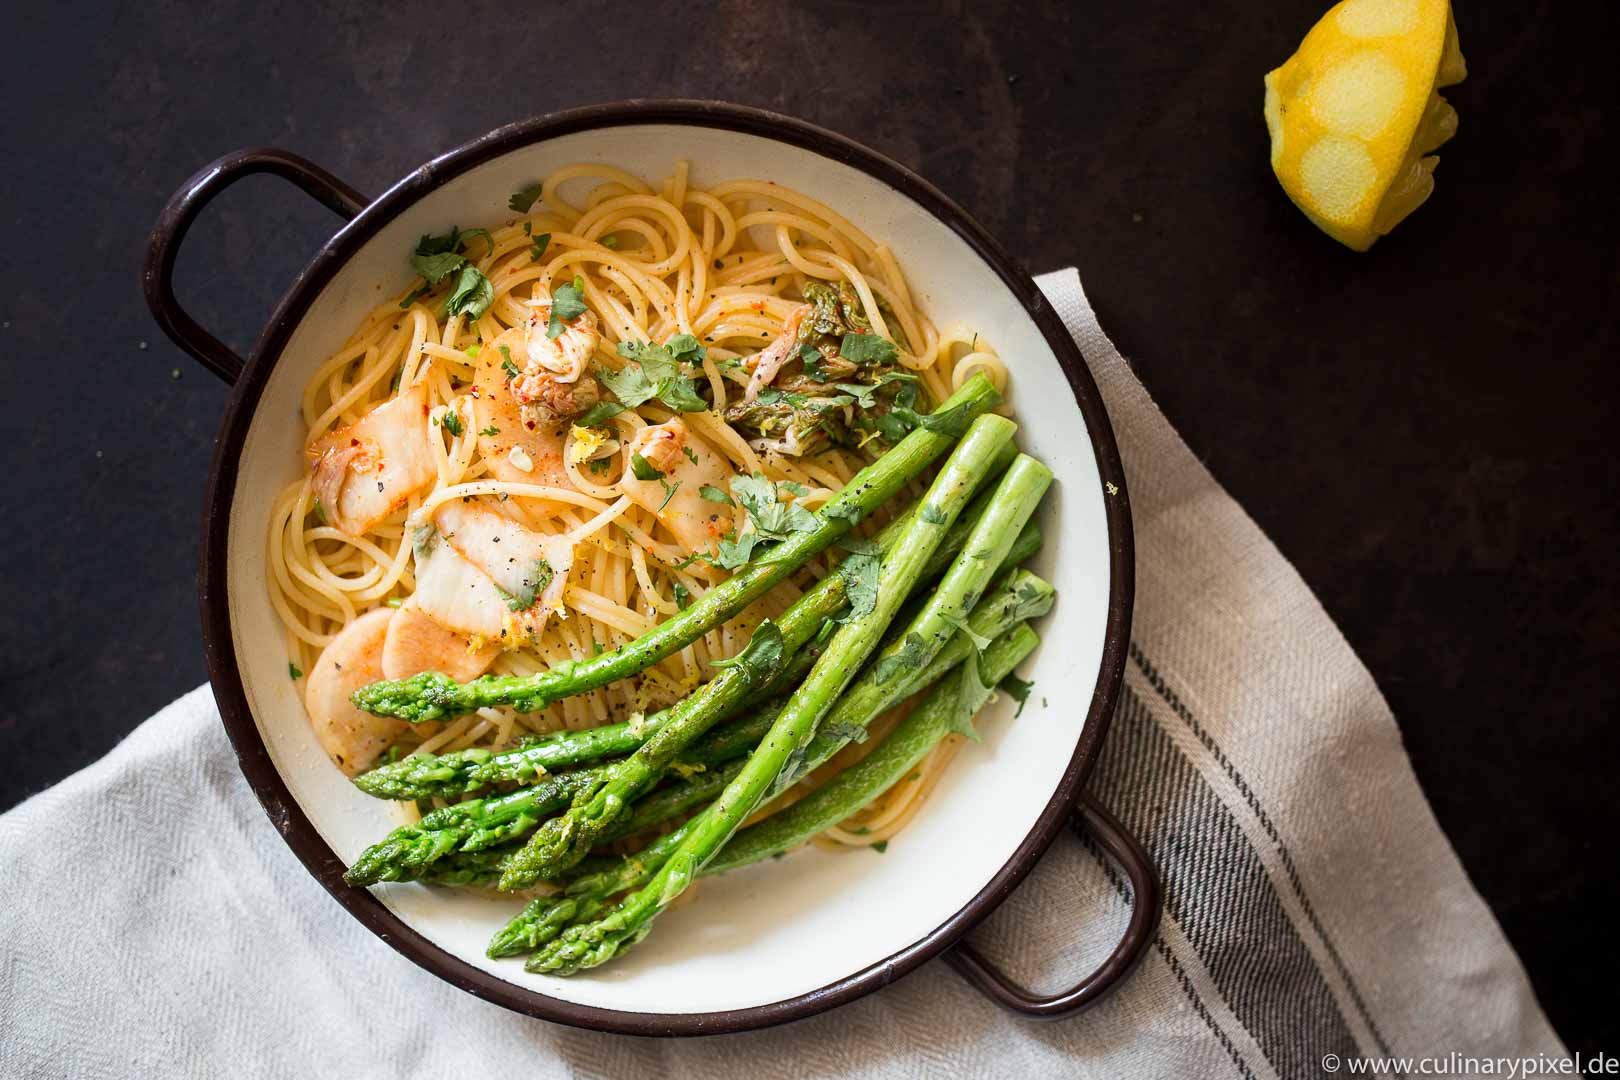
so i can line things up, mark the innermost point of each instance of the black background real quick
(1425, 431)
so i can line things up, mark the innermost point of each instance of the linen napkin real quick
(154, 924)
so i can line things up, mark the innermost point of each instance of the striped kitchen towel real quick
(1316, 920)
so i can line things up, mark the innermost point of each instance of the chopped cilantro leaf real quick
(645, 470)
(713, 494)
(953, 422)
(867, 349)
(524, 198)
(931, 514)
(970, 694)
(735, 552)
(567, 303)
(860, 573)
(537, 248)
(507, 366)
(683, 597)
(599, 414)
(773, 518)
(451, 422)
(657, 371)
(980, 642)
(843, 731)
(488, 239)
(761, 658)
(449, 243)
(669, 492)
(492, 430)
(293, 672)
(908, 656)
(691, 455)
(880, 846)
(815, 364)
(1017, 689)
(435, 268)
(471, 295)
(534, 582)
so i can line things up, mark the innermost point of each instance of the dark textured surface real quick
(1424, 431)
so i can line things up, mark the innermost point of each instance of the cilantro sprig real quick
(524, 198)
(773, 517)
(437, 258)
(657, 371)
(567, 304)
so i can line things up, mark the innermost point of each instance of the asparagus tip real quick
(427, 696)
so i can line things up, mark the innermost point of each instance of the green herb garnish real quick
(761, 658)
(657, 371)
(599, 414)
(715, 495)
(645, 470)
(1017, 689)
(867, 350)
(524, 198)
(534, 583)
(567, 303)
(471, 295)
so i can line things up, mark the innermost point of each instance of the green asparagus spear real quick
(566, 839)
(1021, 596)
(481, 868)
(943, 615)
(587, 944)
(432, 695)
(463, 772)
(474, 825)
(415, 852)
(950, 707)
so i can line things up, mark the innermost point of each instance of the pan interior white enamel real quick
(775, 931)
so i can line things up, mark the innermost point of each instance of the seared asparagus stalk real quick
(587, 944)
(463, 772)
(948, 608)
(1021, 596)
(405, 853)
(432, 695)
(414, 852)
(950, 707)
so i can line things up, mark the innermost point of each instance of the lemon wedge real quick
(1355, 113)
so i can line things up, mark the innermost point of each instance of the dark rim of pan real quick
(296, 828)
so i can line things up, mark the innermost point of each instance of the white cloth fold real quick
(154, 924)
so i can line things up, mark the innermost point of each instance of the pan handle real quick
(163, 245)
(1088, 818)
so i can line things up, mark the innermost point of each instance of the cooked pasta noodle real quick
(728, 264)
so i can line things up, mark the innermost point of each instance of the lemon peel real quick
(1355, 113)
